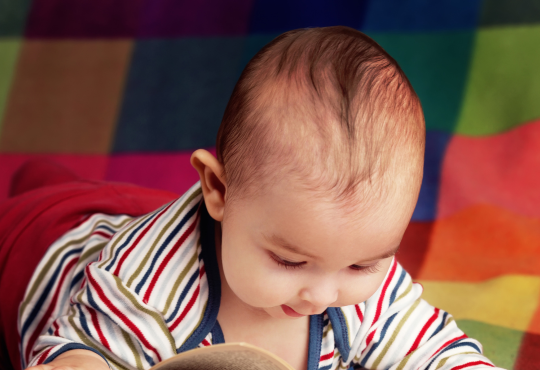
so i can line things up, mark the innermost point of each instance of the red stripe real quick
(103, 234)
(201, 271)
(166, 260)
(449, 342)
(423, 331)
(359, 313)
(381, 299)
(56, 328)
(327, 356)
(205, 343)
(186, 309)
(118, 313)
(44, 356)
(471, 364)
(141, 235)
(37, 331)
(98, 329)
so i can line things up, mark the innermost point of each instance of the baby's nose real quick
(320, 295)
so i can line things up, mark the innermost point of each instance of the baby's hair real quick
(328, 105)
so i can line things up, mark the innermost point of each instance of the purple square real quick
(83, 18)
(173, 18)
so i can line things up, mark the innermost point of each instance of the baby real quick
(288, 241)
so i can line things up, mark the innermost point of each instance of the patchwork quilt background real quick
(125, 90)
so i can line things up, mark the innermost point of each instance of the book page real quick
(234, 356)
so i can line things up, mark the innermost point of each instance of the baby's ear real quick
(212, 182)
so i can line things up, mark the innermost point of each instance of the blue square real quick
(420, 15)
(277, 16)
(426, 208)
(176, 93)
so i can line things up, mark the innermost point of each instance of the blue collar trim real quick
(341, 335)
(208, 254)
(316, 326)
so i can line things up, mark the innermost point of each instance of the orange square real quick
(65, 96)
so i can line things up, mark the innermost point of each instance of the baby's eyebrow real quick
(388, 254)
(281, 242)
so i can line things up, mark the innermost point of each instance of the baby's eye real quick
(287, 264)
(368, 269)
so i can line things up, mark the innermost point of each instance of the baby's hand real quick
(77, 359)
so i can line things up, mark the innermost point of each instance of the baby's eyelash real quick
(287, 264)
(371, 269)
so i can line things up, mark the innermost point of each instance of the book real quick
(228, 356)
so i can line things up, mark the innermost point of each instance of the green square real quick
(501, 345)
(503, 88)
(13, 15)
(436, 64)
(498, 12)
(9, 50)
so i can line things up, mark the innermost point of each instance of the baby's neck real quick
(288, 339)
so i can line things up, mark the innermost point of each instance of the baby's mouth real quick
(290, 312)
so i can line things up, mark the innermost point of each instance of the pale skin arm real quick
(76, 359)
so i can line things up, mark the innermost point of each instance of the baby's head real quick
(320, 157)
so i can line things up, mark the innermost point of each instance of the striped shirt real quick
(140, 290)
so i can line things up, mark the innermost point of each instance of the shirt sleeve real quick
(108, 318)
(402, 331)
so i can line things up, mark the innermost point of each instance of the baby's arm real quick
(111, 319)
(77, 359)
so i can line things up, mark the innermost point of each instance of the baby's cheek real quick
(360, 288)
(258, 285)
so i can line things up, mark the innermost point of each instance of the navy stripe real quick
(106, 227)
(185, 291)
(164, 246)
(128, 241)
(77, 279)
(46, 291)
(375, 345)
(82, 319)
(71, 346)
(456, 344)
(398, 285)
(441, 326)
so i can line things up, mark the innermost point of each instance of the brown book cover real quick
(228, 356)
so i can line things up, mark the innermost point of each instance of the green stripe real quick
(327, 329)
(88, 252)
(179, 280)
(394, 335)
(156, 316)
(116, 226)
(443, 361)
(348, 328)
(133, 349)
(143, 263)
(409, 287)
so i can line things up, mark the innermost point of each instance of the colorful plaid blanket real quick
(124, 90)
